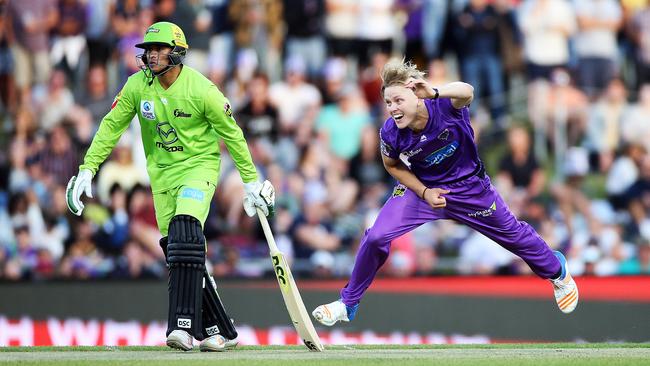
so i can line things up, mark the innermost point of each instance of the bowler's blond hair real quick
(397, 72)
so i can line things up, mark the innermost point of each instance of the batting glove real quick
(259, 195)
(81, 183)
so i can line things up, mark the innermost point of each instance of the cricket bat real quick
(292, 299)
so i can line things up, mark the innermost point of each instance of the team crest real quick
(444, 135)
(227, 110)
(399, 190)
(146, 109)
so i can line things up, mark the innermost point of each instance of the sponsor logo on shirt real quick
(385, 148)
(444, 135)
(180, 114)
(441, 154)
(399, 190)
(484, 213)
(410, 153)
(146, 109)
(168, 136)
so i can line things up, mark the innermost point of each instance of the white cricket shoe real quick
(333, 312)
(180, 339)
(565, 288)
(217, 343)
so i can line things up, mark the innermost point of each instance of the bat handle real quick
(267, 231)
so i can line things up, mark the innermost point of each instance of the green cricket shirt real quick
(181, 130)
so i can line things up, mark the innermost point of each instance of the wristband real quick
(424, 191)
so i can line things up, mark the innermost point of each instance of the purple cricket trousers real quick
(473, 202)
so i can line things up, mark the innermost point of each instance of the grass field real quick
(503, 354)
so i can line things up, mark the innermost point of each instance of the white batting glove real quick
(260, 195)
(81, 183)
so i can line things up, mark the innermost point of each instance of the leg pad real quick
(186, 259)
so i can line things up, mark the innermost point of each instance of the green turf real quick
(598, 354)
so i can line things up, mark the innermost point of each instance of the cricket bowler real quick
(183, 116)
(444, 179)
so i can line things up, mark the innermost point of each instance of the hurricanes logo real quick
(399, 190)
(168, 136)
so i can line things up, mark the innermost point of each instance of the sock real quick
(351, 310)
(561, 273)
(558, 275)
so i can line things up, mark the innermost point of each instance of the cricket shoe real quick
(333, 312)
(217, 343)
(180, 339)
(565, 288)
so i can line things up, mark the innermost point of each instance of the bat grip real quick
(267, 231)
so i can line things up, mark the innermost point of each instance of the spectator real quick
(69, 41)
(603, 135)
(639, 263)
(32, 22)
(304, 21)
(569, 194)
(641, 37)
(96, 98)
(635, 127)
(59, 158)
(477, 34)
(7, 93)
(258, 25)
(195, 19)
(547, 26)
(413, 10)
(519, 172)
(376, 28)
(259, 120)
(57, 103)
(342, 126)
(434, 21)
(297, 102)
(114, 233)
(341, 24)
(595, 43)
(120, 170)
(222, 41)
(99, 35)
(638, 198)
(623, 174)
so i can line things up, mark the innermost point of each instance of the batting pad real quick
(186, 258)
(215, 318)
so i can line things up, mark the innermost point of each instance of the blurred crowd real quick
(561, 113)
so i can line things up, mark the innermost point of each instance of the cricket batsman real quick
(442, 178)
(183, 116)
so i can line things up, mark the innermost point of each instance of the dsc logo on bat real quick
(279, 270)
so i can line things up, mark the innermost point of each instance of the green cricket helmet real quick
(165, 34)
